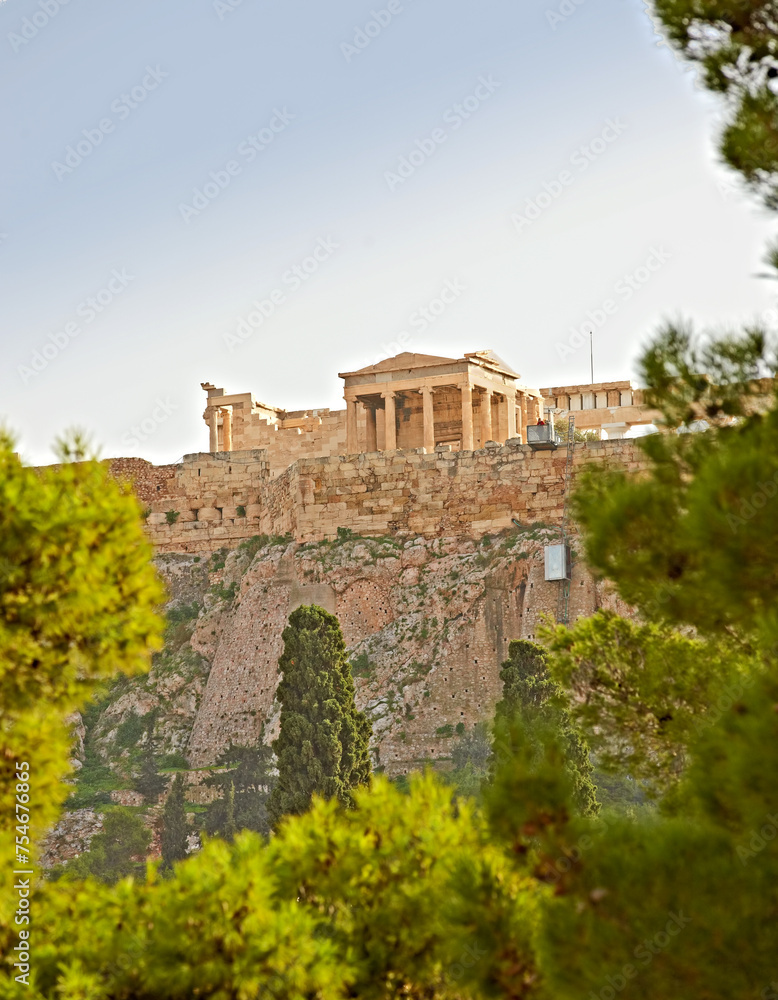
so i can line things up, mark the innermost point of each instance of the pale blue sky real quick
(206, 79)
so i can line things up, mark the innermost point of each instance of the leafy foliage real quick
(129, 732)
(531, 700)
(244, 782)
(174, 827)
(471, 758)
(638, 714)
(400, 895)
(361, 666)
(117, 851)
(323, 746)
(78, 596)
(692, 540)
(734, 43)
(215, 929)
(77, 590)
(150, 783)
(693, 710)
(94, 780)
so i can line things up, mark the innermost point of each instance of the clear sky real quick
(177, 162)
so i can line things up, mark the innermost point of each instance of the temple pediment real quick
(406, 361)
(488, 359)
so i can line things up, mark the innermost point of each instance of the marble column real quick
(487, 434)
(213, 429)
(429, 419)
(510, 414)
(372, 436)
(226, 430)
(390, 426)
(467, 417)
(352, 443)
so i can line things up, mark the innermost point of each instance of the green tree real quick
(470, 759)
(246, 772)
(579, 437)
(686, 696)
(174, 825)
(734, 43)
(117, 851)
(149, 782)
(323, 745)
(78, 599)
(641, 690)
(531, 697)
(692, 540)
(230, 827)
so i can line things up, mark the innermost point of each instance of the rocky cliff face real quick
(427, 622)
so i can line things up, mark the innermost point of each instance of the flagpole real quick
(591, 354)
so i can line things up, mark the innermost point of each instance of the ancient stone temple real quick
(416, 401)
(421, 401)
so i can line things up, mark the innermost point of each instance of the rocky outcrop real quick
(71, 836)
(427, 622)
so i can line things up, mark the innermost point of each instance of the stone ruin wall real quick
(460, 494)
(290, 436)
(284, 435)
(295, 435)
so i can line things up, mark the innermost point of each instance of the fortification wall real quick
(150, 482)
(223, 499)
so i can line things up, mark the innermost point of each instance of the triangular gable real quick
(491, 360)
(402, 362)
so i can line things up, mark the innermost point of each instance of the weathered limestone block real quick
(209, 514)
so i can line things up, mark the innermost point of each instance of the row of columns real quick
(468, 436)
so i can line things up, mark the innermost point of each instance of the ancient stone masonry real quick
(612, 408)
(216, 500)
(415, 401)
(149, 481)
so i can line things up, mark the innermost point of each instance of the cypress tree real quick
(174, 829)
(323, 745)
(230, 828)
(244, 787)
(149, 783)
(530, 694)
